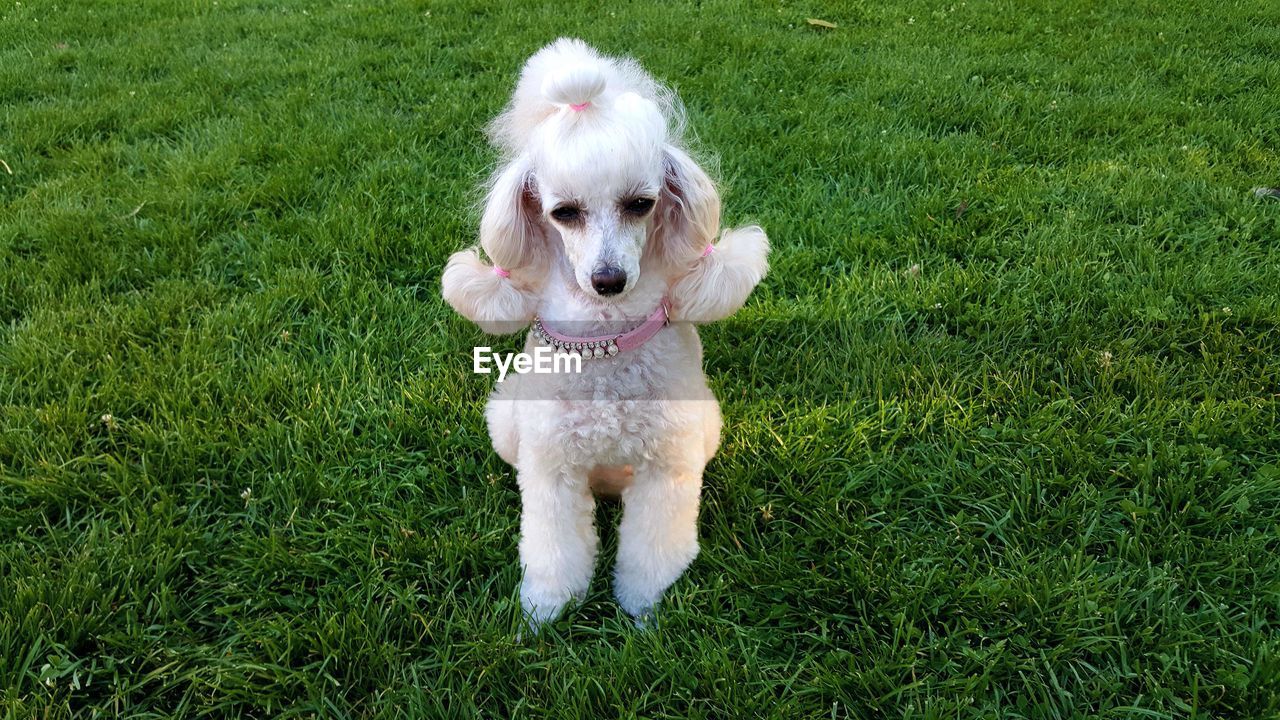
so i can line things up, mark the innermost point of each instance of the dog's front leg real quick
(558, 539)
(658, 535)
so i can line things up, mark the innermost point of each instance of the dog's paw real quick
(638, 599)
(544, 604)
(537, 615)
(646, 619)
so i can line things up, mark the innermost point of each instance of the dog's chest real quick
(615, 409)
(609, 432)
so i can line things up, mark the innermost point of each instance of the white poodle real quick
(601, 229)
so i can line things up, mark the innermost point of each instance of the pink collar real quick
(599, 346)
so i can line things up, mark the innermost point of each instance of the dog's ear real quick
(512, 231)
(688, 212)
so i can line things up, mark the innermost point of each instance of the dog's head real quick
(594, 174)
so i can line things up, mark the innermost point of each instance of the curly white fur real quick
(718, 285)
(497, 304)
(596, 214)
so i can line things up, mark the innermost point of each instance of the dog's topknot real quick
(568, 73)
(574, 85)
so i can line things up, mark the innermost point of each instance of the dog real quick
(603, 234)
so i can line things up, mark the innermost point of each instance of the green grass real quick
(1001, 426)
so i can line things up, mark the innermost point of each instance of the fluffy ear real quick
(515, 238)
(511, 229)
(688, 213)
(717, 285)
(498, 305)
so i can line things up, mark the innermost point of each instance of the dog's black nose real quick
(609, 280)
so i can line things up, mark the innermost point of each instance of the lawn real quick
(1001, 429)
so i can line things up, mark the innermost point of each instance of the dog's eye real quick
(638, 206)
(566, 213)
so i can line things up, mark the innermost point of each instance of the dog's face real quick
(598, 185)
(605, 189)
(603, 211)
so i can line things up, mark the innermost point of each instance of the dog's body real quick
(597, 219)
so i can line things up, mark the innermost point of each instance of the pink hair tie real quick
(579, 108)
(501, 272)
(710, 249)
